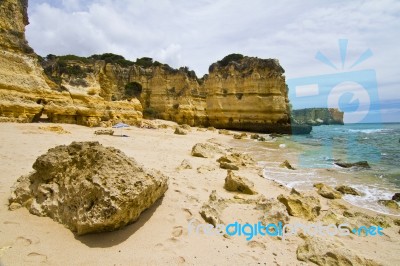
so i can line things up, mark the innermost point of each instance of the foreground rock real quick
(299, 205)
(88, 188)
(233, 161)
(348, 190)
(205, 150)
(324, 252)
(360, 164)
(327, 191)
(240, 184)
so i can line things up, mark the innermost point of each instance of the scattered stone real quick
(327, 191)
(104, 132)
(347, 190)
(240, 184)
(228, 166)
(150, 124)
(326, 252)
(88, 187)
(185, 164)
(287, 165)
(205, 169)
(201, 129)
(180, 131)
(56, 129)
(186, 127)
(240, 136)
(396, 196)
(261, 139)
(254, 136)
(238, 159)
(275, 135)
(211, 129)
(298, 205)
(205, 150)
(360, 164)
(397, 222)
(224, 132)
(389, 203)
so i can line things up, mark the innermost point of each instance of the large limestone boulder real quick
(88, 187)
(299, 205)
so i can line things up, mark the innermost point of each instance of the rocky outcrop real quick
(246, 93)
(206, 150)
(27, 94)
(327, 191)
(318, 116)
(347, 190)
(360, 164)
(299, 205)
(88, 187)
(240, 184)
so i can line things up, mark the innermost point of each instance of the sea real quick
(314, 157)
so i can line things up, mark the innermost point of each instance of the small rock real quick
(211, 129)
(180, 131)
(261, 138)
(201, 129)
(228, 166)
(240, 136)
(389, 203)
(275, 135)
(254, 136)
(287, 165)
(224, 132)
(186, 127)
(396, 196)
(347, 190)
(327, 191)
(56, 129)
(360, 164)
(205, 150)
(236, 183)
(104, 132)
(298, 205)
(238, 159)
(185, 164)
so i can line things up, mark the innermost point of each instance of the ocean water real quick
(314, 156)
(379, 144)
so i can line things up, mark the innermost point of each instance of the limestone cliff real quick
(26, 93)
(318, 116)
(248, 93)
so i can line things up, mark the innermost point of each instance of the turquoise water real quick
(379, 144)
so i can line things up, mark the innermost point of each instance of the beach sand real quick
(161, 234)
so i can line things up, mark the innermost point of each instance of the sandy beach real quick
(161, 235)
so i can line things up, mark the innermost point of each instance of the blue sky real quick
(198, 33)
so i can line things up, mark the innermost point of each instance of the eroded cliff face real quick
(241, 93)
(318, 116)
(26, 93)
(248, 94)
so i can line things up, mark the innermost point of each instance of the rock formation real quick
(88, 187)
(26, 93)
(299, 205)
(243, 93)
(327, 191)
(318, 116)
(240, 184)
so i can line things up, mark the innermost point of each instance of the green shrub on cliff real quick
(230, 58)
(133, 89)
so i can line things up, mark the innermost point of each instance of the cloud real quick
(198, 33)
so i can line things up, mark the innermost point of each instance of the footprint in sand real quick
(178, 231)
(36, 257)
(188, 214)
(26, 241)
(256, 244)
(9, 222)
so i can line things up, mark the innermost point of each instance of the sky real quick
(197, 33)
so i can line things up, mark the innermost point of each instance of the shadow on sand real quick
(109, 239)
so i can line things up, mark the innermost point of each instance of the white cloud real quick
(197, 33)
